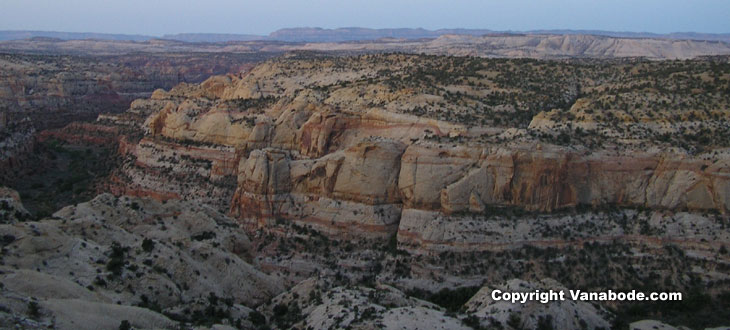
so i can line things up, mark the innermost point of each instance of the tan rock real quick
(369, 173)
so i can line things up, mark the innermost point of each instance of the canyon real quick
(392, 190)
(39, 92)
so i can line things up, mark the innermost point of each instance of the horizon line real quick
(548, 30)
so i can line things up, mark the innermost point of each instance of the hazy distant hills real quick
(306, 34)
(212, 37)
(357, 34)
(18, 35)
(490, 45)
(724, 37)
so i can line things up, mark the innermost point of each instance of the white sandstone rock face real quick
(354, 188)
(320, 305)
(82, 314)
(566, 314)
(654, 325)
(108, 255)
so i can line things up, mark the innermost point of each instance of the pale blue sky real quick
(157, 17)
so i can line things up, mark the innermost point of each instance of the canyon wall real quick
(366, 171)
(41, 92)
(56, 90)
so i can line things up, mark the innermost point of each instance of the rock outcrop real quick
(354, 188)
(566, 314)
(11, 208)
(92, 264)
(551, 179)
(319, 304)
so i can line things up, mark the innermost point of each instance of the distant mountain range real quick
(346, 34)
(19, 35)
(213, 37)
(357, 34)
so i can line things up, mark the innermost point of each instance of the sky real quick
(158, 17)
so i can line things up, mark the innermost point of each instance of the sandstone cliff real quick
(334, 160)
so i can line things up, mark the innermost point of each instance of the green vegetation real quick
(697, 310)
(286, 315)
(451, 299)
(591, 101)
(148, 245)
(253, 105)
(60, 174)
(125, 325)
(34, 310)
(256, 318)
(116, 259)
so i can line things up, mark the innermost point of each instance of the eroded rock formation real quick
(345, 166)
(92, 264)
